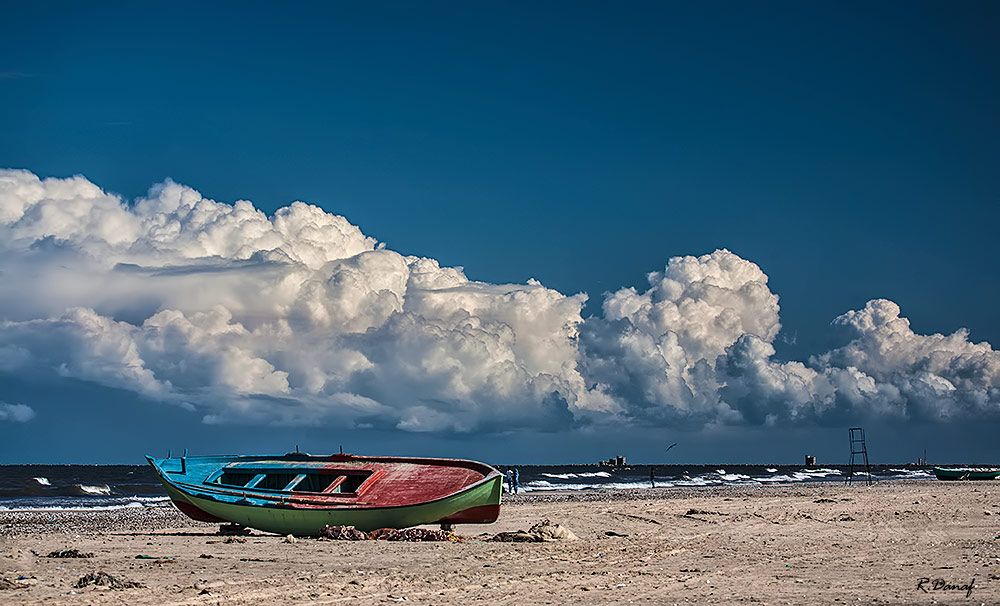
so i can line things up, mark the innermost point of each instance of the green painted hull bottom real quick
(308, 522)
(965, 474)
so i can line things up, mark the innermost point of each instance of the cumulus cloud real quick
(293, 318)
(16, 413)
(655, 352)
(300, 318)
(898, 372)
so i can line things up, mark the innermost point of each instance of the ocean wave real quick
(778, 479)
(696, 482)
(567, 476)
(819, 473)
(35, 488)
(42, 481)
(149, 499)
(912, 473)
(541, 485)
(144, 503)
(798, 476)
(101, 490)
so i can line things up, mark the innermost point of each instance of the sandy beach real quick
(905, 542)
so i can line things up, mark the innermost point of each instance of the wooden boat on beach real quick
(299, 493)
(966, 473)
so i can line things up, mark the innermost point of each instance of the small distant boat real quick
(966, 473)
(299, 494)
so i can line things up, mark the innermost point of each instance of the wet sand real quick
(798, 544)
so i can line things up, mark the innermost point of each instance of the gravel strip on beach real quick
(127, 519)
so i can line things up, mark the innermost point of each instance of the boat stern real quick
(485, 508)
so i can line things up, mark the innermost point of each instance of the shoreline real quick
(815, 543)
(15, 523)
(19, 522)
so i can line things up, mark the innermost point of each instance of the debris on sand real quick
(552, 532)
(543, 531)
(104, 579)
(233, 529)
(228, 540)
(518, 536)
(412, 534)
(416, 535)
(342, 533)
(640, 518)
(69, 553)
(702, 512)
(5, 584)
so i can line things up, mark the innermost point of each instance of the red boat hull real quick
(196, 513)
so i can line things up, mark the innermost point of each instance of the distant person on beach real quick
(517, 480)
(510, 481)
(652, 482)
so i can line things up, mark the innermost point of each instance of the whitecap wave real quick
(101, 490)
(819, 473)
(541, 485)
(767, 476)
(778, 479)
(912, 474)
(799, 476)
(698, 481)
(147, 502)
(42, 481)
(568, 476)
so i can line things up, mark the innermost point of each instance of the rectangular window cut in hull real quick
(330, 482)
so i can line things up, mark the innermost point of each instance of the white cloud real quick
(16, 413)
(655, 352)
(294, 318)
(933, 377)
(300, 318)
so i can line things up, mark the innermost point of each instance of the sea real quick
(96, 487)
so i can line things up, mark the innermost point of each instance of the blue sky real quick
(848, 150)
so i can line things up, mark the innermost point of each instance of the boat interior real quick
(334, 482)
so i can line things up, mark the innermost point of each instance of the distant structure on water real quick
(810, 461)
(618, 461)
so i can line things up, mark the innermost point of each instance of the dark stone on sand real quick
(104, 579)
(702, 512)
(69, 553)
(233, 530)
(516, 537)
